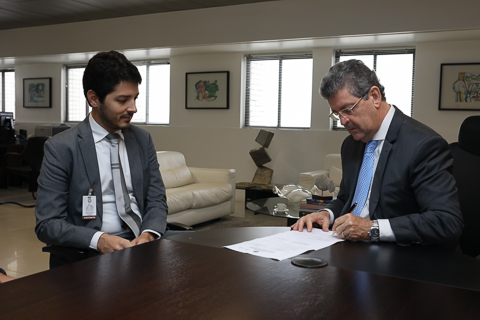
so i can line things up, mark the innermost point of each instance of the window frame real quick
(67, 68)
(280, 57)
(145, 81)
(376, 53)
(3, 71)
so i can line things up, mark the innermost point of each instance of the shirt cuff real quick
(94, 241)
(158, 235)
(331, 215)
(386, 232)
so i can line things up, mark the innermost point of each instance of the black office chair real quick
(31, 159)
(466, 170)
(60, 255)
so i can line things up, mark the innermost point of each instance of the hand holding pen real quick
(349, 211)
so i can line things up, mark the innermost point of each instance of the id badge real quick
(89, 210)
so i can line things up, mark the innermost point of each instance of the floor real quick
(20, 250)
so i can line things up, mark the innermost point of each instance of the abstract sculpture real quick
(260, 156)
(324, 183)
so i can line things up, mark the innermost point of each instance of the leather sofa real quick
(195, 195)
(332, 168)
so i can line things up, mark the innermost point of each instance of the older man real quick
(396, 171)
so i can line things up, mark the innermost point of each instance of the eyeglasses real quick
(347, 112)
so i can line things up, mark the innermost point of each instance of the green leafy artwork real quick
(206, 90)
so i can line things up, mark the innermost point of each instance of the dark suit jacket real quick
(413, 186)
(70, 169)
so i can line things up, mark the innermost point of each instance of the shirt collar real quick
(382, 132)
(99, 133)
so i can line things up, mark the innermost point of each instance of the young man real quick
(100, 185)
(397, 170)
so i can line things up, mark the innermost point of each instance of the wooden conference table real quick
(177, 279)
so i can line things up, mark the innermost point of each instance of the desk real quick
(6, 147)
(16, 146)
(422, 263)
(170, 279)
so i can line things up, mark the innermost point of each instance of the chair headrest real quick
(469, 135)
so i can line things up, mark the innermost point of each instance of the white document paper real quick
(287, 244)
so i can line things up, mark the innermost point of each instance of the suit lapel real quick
(135, 164)
(86, 145)
(379, 173)
(388, 143)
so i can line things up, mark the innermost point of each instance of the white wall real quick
(214, 138)
(429, 57)
(40, 115)
(225, 118)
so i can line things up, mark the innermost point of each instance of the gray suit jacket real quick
(413, 186)
(70, 169)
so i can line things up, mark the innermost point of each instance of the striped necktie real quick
(364, 178)
(122, 198)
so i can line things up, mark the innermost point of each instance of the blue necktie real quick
(365, 177)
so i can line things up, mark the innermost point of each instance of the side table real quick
(254, 191)
(267, 206)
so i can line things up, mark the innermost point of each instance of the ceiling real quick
(32, 13)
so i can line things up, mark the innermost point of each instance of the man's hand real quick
(143, 238)
(352, 227)
(107, 243)
(322, 218)
(4, 278)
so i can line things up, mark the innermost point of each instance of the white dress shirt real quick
(386, 232)
(111, 221)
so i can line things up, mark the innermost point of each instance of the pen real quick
(349, 211)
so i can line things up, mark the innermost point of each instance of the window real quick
(153, 103)
(394, 68)
(77, 106)
(279, 91)
(7, 90)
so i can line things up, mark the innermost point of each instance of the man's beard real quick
(111, 120)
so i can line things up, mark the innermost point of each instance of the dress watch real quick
(374, 232)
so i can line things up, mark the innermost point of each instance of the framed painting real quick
(37, 93)
(459, 86)
(207, 90)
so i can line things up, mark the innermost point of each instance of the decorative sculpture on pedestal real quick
(260, 156)
(324, 183)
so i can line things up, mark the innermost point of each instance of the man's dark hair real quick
(352, 74)
(105, 71)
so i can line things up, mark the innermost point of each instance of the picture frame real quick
(459, 86)
(37, 92)
(207, 90)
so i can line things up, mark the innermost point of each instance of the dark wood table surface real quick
(422, 263)
(170, 279)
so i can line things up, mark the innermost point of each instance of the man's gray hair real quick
(352, 74)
